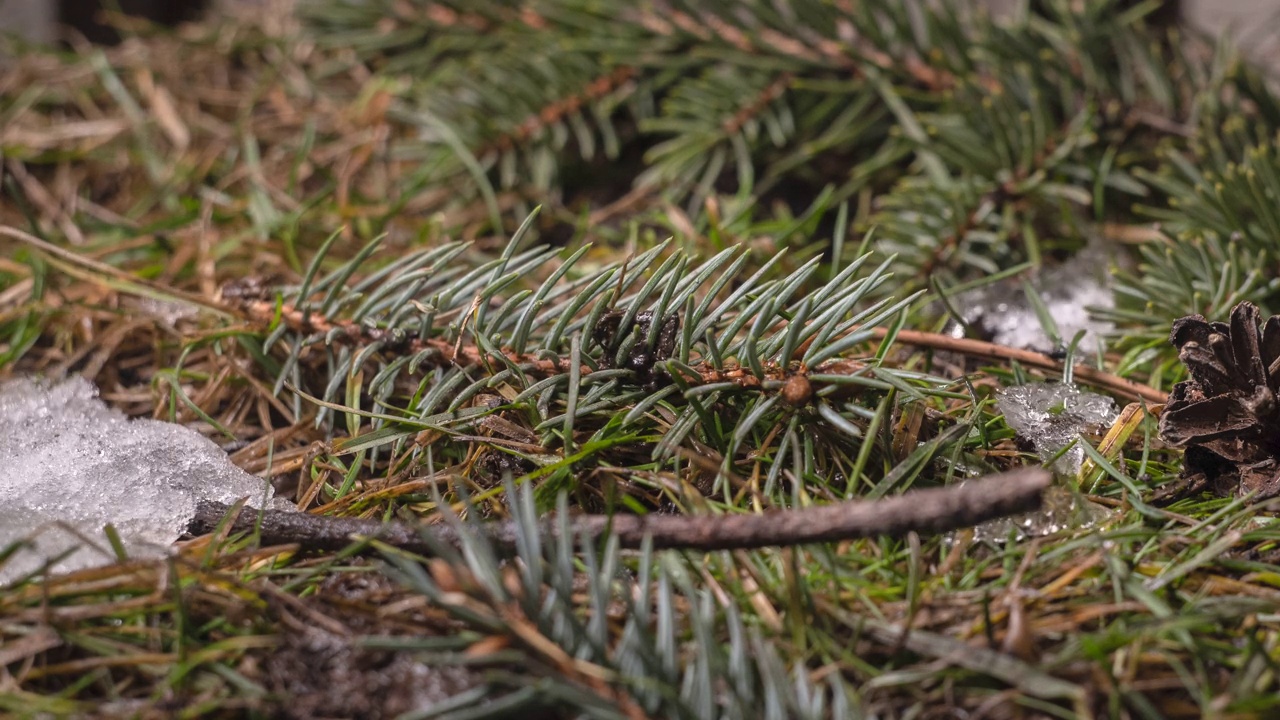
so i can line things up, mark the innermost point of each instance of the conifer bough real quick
(931, 510)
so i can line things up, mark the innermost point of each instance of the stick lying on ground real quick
(934, 510)
(1123, 387)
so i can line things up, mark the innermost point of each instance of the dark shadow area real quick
(90, 17)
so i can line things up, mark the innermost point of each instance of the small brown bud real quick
(797, 391)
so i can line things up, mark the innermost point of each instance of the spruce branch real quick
(803, 44)
(558, 109)
(441, 353)
(748, 112)
(979, 133)
(672, 651)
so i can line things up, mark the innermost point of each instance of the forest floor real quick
(179, 171)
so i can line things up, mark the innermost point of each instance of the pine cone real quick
(1226, 414)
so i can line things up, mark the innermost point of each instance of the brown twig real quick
(932, 510)
(990, 351)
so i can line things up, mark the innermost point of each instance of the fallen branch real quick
(927, 511)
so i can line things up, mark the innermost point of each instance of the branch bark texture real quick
(926, 511)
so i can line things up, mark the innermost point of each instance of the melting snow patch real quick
(1062, 510)
(1004, 313)
(69, 465)
(1053, 415)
